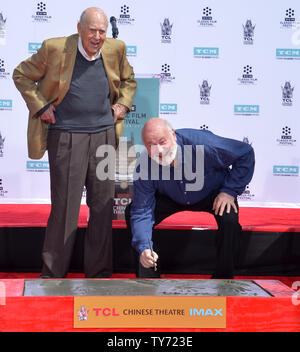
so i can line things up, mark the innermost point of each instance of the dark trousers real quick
(227, 237)
(73, 163)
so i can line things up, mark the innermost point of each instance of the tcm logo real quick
(246, 109)
(131, 50)
(205, 312)
(168, 108)
(206, 52)
(5, 104)
(288, 53)
(285, 170)
(34, 47)
(106, 312)
(37, 165)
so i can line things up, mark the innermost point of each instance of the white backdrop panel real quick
(206, 43)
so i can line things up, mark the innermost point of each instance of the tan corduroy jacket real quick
(46, 76)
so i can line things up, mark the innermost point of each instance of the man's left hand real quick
(223, 201)
(120, 111)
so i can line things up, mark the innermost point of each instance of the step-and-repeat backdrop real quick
(228, 66)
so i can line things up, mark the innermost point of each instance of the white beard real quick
(168, 157)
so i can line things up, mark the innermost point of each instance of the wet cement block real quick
(143, 287)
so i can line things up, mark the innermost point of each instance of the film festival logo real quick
(207, 19)
(2, 29)
(165, 74)
(166, 31)
(205, 89)
(204, 127)
(247, 195)
(286, 138)
(135, 118)
(1, 145)
(3, 192)
(248, 32)
(3, 73)
(287, 94)
(41, 15)
(289, 20)
(125, 18)
(247, 77)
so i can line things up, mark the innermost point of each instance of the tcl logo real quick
(106, 312)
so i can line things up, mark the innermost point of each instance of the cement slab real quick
(142, 287)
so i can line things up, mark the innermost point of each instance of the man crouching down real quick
(188, 169)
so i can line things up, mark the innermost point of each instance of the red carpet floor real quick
(251, 219)
(260, 314)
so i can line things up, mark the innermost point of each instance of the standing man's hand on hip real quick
(48, 115)
(120, 111)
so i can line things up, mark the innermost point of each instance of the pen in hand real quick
(150, 246)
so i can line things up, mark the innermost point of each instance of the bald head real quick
(160, 141)
(155, 127)
(92, 12)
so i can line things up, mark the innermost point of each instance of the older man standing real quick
(197, 171)
(77, 90)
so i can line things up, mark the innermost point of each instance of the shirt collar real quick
(84, 54)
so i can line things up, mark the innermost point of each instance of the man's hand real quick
(48, 115)
(147, 260)
(119, 111)
(223, 201)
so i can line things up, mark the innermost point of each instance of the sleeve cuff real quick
(40, 112)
